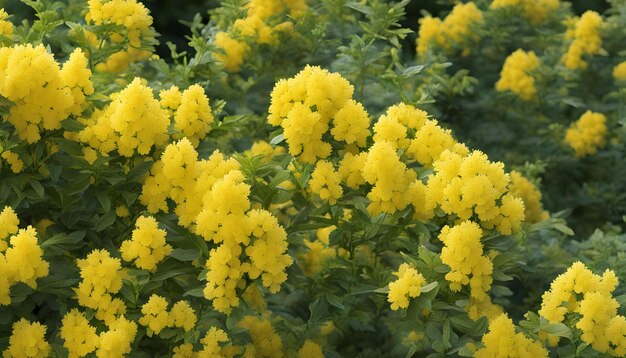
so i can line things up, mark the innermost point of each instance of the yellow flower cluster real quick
(585, 38)
(13, 159)
(326, 182)
(116, 342)
(134, 17)
(408, 285)
(155, 315)
(147, 246)
(133, 121)
(536, 11)
(258, 27)
(42, 93)
(6, 27)
(586, 135)
(304, 107)
(522, 188)
(193, 116)
(211, 345)
(502, 341)
(20, 259)
(516, 75)
(264, 149)
(310, 349)
(101, 278)
(78, 336)
(463, 253)
(27, 340)
(265, 341)
(468, 185)
(580, 290)
(390, 177)
(453, 31)
(184, 179)
(619, 71)
(212, 199)
(350, 169)
(319, 251)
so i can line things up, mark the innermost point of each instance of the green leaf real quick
(429, 287)
(558, 329)
(105, 221)
(185, 254)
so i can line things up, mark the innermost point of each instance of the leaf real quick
(72, 125)
(564, 229)
(64, 239)
(195, 292)
(558, 329)
(105, 221)
(185, 254)
(278, 139)
(334, 300)
(431, 286)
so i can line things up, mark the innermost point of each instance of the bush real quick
(313, 178)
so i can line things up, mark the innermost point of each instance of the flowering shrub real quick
(312, 178)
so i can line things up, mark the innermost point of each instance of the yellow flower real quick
(155, 315)
(522, 188)
(463, 253)
(310, 349)
(24, 258)
(193, 116)
(78, 336)
(503, 340)
(27, 340)
(536, 11)
(77, 77)
(183, 316)
(454, 31)
(101, 278)
(619, 71)
(587, 134)
(13, 159)
(350, 168)
(211, 343)
(147, 246)
(170, 98)
(117, 340)
(390, 178)
(234, 51)
(408, 285)
(265, 341)
(587, 40)
(8, 225)
(516, 75)
(351, 124)
(6, 27)
(326, 182)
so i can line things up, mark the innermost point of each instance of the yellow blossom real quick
(78, 336)
(310, 349)
(183, 316)
(325, 182)
(117, 340)
(536, 11)
(155, 315)
(147, 246)
(193, 116)
(503, 341)
(27, 340)
(408, 285)
(587, 134)
(516, 75)
(586, 40)
(522, 188)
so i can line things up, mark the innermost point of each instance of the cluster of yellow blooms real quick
(326, 182)
(390, 177)
(101, 278)
(81, 339)
(20, 258)
(210, 346)
(147, 246)
(587, 134)
(133, 121)
(619, 71)
(156, 317)
(304, 107)
(531, 196)
(265, 341)
(13, 159)
(78, 336)
(470, 184)
(453, 31)
(463, 253)
(581, 291)
(585, 39)
(408, 285)
(27, 340)
(259, 26)
(536, 11)
(43, 93)
(134, 17)
(6, 27)
(310, 349)
(502, 341)
(212, 199)
(191, 110)
(516, 75)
